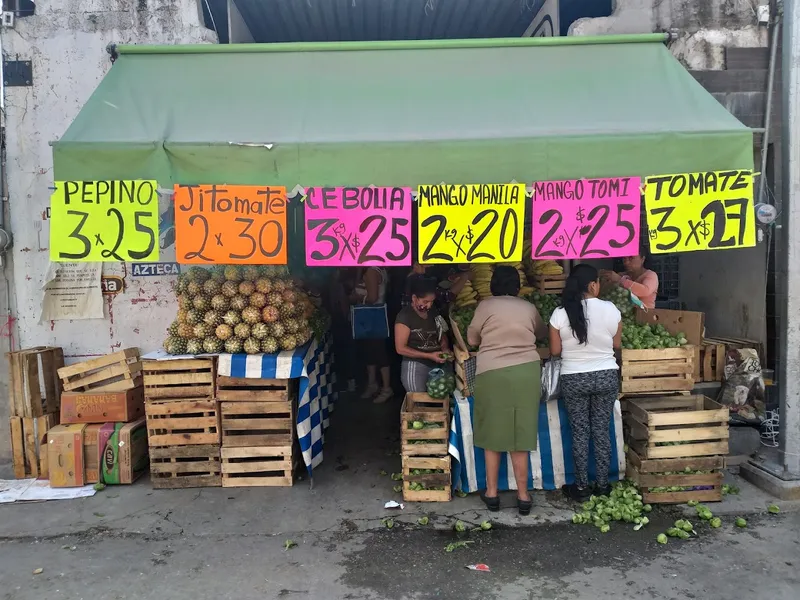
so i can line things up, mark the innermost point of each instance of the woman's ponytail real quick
(572, 297)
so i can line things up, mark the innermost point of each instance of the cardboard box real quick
(95, 437)
(126, 454)
(65, 456)
(690, 323)
(102, 407)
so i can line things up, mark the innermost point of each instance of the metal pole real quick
(773, 56)
(790, 147)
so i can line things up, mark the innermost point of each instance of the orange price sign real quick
(230, 224)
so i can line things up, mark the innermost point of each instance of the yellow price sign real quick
(700, 211)
(97, 221)
(470, 223)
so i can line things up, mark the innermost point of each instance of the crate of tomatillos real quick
(424, 425)
(677, 446)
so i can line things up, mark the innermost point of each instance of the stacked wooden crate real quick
(182, 423)
(34, 404)
(548, 284)
(657, 370)
(424, 433)
(676, 448)
(710, 361)
(258, 428)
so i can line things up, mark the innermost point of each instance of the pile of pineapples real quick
(236, 309)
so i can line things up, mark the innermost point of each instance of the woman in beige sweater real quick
(507, 383)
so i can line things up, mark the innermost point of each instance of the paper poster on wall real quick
(230, 224)
(358, 226)
(700, 211)
(586, 218)
(97, 221)
(470, 223)
(73, 291)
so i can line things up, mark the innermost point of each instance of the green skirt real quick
(506, 409)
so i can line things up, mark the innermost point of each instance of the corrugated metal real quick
(353, 20)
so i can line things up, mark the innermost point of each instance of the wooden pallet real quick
(257, 466)
(734, 343)
(549, 284)
(180, 379)
(182, 422)
(709, 361)
(257, 424)
(241, 389)
(28, 445)
(115, 372)
(460, 367)
(657, 370)
(34, 386)
(698, 423)
(177, 467)
(664, 473)
(441, 478)
(423, 408)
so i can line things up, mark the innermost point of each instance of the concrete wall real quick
(66, 41)
(706, 27)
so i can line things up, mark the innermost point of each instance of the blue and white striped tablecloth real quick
(551, 466)
(312, 364)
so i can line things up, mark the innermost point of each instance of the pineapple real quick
(270, 314)
(200, 302)
(287, 342)
(251, 273)
(269, 345)
(184, 302)
(304, 336)
(218, 274)
(232, 318)
(181, 317)
(233, 346)
(174, 345)
(289, 296)
(292, 325)
(259, 331)
(211, 287)
(185, 330)
(224, 332)
(251, 315)
(173, 328)
(258, 300)
(197, 274)
(229, 289)
(201, 330)
(233, 273)
(279, 285)
(180, 284)
(238, 303)
(193, 317)
(212, 318)
(263, 285)
(194, 346)
(220, 302)
(246, 288)
(212, 345)
(242, 331)
(251, 346)
(278, 330)
(193, 288)
(274, 299)
(287, 309)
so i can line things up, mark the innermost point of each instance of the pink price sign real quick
(586, 218)
(358, 226)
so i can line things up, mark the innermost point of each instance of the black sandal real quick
(493, 503)
(524, 507)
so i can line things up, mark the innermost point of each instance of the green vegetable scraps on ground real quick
(623, 504)
(461, 494)
(288, 545)
(388, 523)
(383, 473)
(774, 509)
(397, 489)
(740, 522)
(729, 489)
(661, 539)
(397, 477)
(716, 522)
(455, 545)
(459, 527)
(423, 521)
(99, 487)
(486, 526)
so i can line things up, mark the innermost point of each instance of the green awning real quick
(401, 113)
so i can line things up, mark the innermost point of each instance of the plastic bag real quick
(743, 389)
(551, 379)
(440, 383)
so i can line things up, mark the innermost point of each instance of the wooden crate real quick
(176, 467)
(29, 445)
(465, 361)
(115, 372)
(649, 475)
(241, 389)
(182, 422)
(709, 362)
(549, 284)
(657, 370)
(257, 466)
(257, 424)
(459, 343)
(34, 386)
(441, 478)
(421, 407)
(698, 423)
(179, 379)
(625, 398)
(733, 343)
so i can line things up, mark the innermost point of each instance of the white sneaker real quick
(351, 385)
(370, 391)
(385, 394)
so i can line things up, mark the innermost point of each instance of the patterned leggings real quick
(590, 398)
